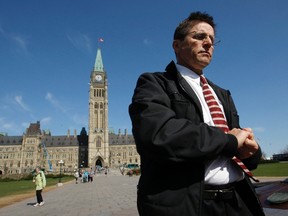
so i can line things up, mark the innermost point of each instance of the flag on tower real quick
(101, 40)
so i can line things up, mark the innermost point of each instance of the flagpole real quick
(100, 40)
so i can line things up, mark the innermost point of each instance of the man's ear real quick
(175, 45)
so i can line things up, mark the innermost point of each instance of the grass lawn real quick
(26, 186)
(271, 169)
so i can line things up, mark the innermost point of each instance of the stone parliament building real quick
(97, 148)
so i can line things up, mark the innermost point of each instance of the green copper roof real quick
(98, 66)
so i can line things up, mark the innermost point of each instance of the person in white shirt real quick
(186, 159)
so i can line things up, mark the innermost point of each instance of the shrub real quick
(268, 161)
(133, 172)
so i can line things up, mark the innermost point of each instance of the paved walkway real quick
(105, 196)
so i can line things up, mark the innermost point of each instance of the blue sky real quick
(48, 49)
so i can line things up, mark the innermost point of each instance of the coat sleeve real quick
(43, 179)
(233, 120)
(160, 133)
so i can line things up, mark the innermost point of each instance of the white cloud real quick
(21, 42)
(18, 41)
(19, 101)
(45, 120)
(146, 42)
(25, 125)
(5, 125)
(49, 97)
(81, 41)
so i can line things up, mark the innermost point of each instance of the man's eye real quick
(200, 36)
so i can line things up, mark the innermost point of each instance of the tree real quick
(264, 156)
(285, 151)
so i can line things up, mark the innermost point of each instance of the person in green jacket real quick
(40, 182)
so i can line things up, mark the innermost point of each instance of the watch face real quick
(98, 77)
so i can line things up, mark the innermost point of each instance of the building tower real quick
(98, 143)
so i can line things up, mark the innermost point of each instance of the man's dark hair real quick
(182, 29)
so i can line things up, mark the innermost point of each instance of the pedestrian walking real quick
(76, 175)
(40, 182)
(90, 176)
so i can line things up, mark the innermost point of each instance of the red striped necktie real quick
(219, 120)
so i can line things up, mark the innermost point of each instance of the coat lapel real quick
(171, 68)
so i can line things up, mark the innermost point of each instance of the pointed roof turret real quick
(98, 66)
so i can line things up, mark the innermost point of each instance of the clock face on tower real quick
(98, 77)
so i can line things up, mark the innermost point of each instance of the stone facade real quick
(36, 147)
(21, 154)
(122, 150)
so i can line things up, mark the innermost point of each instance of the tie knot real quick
(203, 80)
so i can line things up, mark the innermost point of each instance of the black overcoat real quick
(174, 144)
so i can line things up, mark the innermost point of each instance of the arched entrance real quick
(98, 162)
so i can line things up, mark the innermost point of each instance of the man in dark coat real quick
(186, 159)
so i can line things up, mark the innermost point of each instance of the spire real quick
(98, 66)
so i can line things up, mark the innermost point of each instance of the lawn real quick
(26, 186)
(271, 169)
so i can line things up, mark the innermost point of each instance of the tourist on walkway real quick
(90, 176)
(76, 175)
(40, 182)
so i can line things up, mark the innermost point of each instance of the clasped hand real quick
(247, 145)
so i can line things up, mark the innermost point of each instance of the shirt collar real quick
(187, 73)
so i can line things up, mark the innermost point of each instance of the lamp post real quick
(61, 162)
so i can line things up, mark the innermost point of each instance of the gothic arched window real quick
(98, 142)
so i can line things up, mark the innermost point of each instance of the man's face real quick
(196, 50)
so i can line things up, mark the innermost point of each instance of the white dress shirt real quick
(222, 170)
